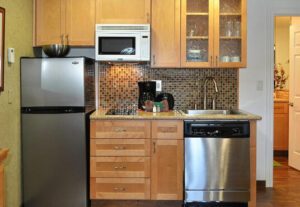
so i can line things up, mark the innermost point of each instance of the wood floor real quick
(286, 190)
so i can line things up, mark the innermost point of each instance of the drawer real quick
(120, 129)
(281, 108)
(167, 129)
(120, 147)
(116, 167)
(120, 188)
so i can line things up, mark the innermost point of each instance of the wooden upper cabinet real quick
(165, 36)
(167, 170)
(230, 33)
(48, 24)
(55, 19)
(123, 11)
(80, 22)
(214, 33)
(197, 33)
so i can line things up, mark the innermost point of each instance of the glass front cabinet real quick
(214, 33)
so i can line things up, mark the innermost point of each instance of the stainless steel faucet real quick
(205, 92)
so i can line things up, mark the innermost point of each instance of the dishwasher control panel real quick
(228, 129)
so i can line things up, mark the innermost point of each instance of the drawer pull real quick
(119, 189)
(119, 129)
(168, 130)
(119, 147)
(120, 167)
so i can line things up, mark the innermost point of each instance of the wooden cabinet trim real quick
(115, 9)
(165, 39)
(167, 129)
(120, 147)
(119, 167)
(116, 188)
(117, 129)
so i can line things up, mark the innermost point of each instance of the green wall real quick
(18, 35)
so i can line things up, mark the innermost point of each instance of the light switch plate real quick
(11, 55)
(158, 85)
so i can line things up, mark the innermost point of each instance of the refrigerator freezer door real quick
(54, 160)
(52, 82)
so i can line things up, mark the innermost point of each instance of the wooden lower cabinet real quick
(3, 155)
(167, 170)
(136, 160)
(281, 126)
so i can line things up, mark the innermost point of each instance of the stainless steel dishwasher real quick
(217, 161)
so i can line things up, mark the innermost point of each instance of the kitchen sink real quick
(211, 112)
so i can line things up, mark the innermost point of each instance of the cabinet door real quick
(281, 131)
(230, 33)
(165, 41)
(197, 33)
(167, 170)
(49, 21)
(123, 11)
(80, 22)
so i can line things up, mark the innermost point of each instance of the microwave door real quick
(118, 47)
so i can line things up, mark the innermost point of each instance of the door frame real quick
(276, 9)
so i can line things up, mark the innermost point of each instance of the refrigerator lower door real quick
(54, 160)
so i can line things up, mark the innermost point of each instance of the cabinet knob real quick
(119, 129)
(119, 147)
(120, 189)
(291, 104)
(120, 167)
(148, 17)
(62, 39)
(154, 147)
(154, 60)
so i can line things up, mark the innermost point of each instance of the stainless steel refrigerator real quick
(57, 96)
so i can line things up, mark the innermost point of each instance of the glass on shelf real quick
(230, 26)
(230, 50)
(197, 26)
(237, 28)
(197, 6)
(196, 50)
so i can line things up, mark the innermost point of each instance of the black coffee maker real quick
(147, 90)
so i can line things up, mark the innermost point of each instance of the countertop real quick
(174, 115)
(3, 154)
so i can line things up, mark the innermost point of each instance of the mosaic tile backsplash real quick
(118, 86)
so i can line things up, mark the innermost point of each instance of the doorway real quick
(286, 78)
(281, 89)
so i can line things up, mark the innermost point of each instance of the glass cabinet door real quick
(197, 33)
(230, 33)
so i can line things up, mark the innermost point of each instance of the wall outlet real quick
(11, 55)
(158, 85)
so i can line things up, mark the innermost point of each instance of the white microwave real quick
(122, 42)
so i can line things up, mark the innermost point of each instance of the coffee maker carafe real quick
(147, 90)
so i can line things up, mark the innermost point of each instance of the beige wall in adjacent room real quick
(282, 41)
(18, 35)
